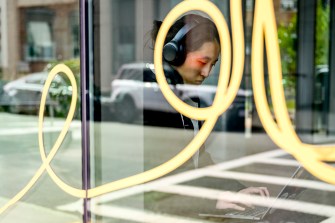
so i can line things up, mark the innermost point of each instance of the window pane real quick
(136, 129)
(35, 37)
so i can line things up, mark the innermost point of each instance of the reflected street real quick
(253, 161)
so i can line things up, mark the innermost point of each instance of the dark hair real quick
(204, 32)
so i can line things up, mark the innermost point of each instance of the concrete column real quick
(105, 46)
(145, 15)
(62, 37)
(305, 69)
(4, 34)
(12, 45)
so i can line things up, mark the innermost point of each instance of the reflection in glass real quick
(134, 128)
(34, 38)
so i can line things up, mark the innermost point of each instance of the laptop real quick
(259, 212)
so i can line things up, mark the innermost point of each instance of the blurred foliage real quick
(73, 64)
(64, 99)
(322, 32)
(287, 36)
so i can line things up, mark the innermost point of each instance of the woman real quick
(198, 50)
(191, 49)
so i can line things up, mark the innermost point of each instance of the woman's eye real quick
(202, 63)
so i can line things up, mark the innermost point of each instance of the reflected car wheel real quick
(126, 110)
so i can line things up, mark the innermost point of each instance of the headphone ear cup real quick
(174, 53)
(170, 52)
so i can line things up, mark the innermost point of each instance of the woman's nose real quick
(205, 71)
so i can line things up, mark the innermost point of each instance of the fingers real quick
(225, 203)
(263, 191)
(236, 207)
(221, 204)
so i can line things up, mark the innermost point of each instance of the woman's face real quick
(198, 64)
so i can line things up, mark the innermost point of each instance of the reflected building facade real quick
(35, 33)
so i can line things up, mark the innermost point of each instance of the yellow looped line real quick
(219, 101)
(282, 133)
(46, 160)
(209, 114)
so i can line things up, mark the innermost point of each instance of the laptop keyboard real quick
(250, 211)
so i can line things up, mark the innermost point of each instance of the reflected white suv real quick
(132, 92)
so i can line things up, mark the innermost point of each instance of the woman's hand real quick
(263, 191)
(224, 203)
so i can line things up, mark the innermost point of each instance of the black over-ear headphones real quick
(174, 51)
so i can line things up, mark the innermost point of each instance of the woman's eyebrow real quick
(207, 58)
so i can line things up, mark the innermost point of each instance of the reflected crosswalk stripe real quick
(27, 131)
(273, 180)
(190, 191)
(329, 220)
(248, 159)
(188, 175)
(174, 179)
(167, 185)
(279, 161)
(50, 126)
(139, 215)
(291, 205)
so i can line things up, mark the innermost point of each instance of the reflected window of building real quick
(39, 44)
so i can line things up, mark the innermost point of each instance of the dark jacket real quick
(156, 154)
(174, 119)
(163, 119)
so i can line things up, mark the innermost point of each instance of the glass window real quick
(136, 129)
(137, 155)
(34, 38)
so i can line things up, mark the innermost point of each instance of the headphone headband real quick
(174, 51)
(184, 30)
